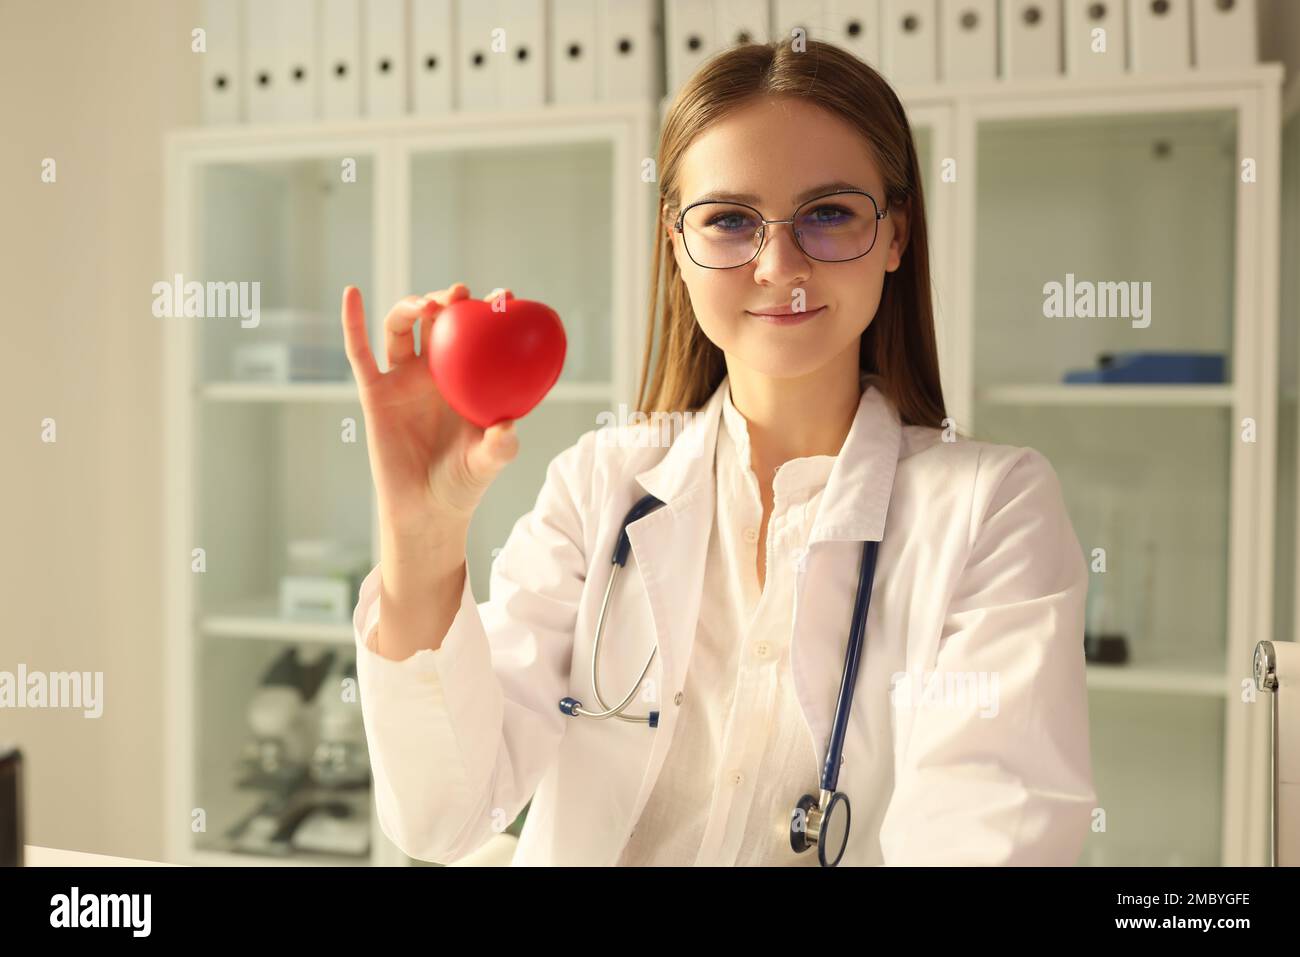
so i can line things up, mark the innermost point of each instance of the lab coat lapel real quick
(670, 547)
(854, 509)
(671, 543)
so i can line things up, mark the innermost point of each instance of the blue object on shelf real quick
(1154, 367)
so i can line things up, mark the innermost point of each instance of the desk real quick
(34, 856)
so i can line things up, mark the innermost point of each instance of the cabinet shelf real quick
(259, 618)
(346, 392)
(1204, 677)
(1154, 395)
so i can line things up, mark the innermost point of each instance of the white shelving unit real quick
(549, 203)
(1179, 759)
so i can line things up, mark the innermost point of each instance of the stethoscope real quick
(822, 820)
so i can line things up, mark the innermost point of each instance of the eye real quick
(730, 222)
(830, 214)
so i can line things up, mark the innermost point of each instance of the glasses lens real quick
(837, 228)
(721, 235)
(831, 229)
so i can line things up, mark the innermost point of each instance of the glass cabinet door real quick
(542, 221)
(1103, 338)
(281, 490)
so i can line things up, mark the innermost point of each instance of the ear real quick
(899, 220)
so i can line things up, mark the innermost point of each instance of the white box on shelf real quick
(814, 17)
(573, 51)
(311, 598)
(1096, 38)
(432, 57)
(523, 64)
(691, 38)
(477, 67)
(339, 65)
(911, 37)
(741, 21)
(855, 25)
(220, 70)
(628, 66)
(1031, 38)
(968, 40)
(1225, 33)
(384, 42)
(1160, 35)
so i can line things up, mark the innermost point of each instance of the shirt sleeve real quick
(1006, 777)
(459, 737)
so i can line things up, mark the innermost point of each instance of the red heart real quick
(492, 365)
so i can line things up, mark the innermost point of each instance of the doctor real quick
(816, 482)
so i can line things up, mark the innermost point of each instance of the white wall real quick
(91, 84)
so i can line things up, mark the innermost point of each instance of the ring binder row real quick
(301, 60)
(272, 61)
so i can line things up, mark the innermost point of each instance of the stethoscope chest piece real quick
(826, 828)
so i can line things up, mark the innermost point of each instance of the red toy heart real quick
(493, 365)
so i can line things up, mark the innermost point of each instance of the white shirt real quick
(742, 754)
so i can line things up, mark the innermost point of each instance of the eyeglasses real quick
(833, 228)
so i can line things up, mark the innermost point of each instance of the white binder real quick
(1090, 26)
(477, 66)
(741, 21)
(1160, 33)
(855, 26)
(628, 63)
(296, 44)
(339, 66)
(432, 57)
(573, 51)
(523, 64)
(911, 37)
(1031, 38)
(261, 24)
(691, 38)
(968, 40)
(384, 42)
(221, 72)
(1225, 33)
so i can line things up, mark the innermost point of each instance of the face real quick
(777, 150)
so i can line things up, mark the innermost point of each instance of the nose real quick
(780, 261)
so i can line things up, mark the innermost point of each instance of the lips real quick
(788, 318)
(780, 311)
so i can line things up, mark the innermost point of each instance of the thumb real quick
(491, 453)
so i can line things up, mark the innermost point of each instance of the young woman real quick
(814, 487)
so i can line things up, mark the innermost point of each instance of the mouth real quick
(787, 318)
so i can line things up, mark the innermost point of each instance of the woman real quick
(798, 333)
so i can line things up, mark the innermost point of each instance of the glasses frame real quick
(762, 229)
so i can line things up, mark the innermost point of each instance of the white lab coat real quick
(980, 577)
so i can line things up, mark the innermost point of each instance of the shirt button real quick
(751, 535)
(761, 649)
(677, 698)
(737, 778)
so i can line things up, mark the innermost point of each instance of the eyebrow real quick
(723, 196)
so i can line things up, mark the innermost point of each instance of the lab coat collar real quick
(856, 499)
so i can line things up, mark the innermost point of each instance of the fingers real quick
(398, 341)
(355, 341)
(443, 297)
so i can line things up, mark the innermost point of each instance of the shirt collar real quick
(856, 500)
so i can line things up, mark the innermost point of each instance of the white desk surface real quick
(34, 856)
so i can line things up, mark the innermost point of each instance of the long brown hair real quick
(899, 344)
